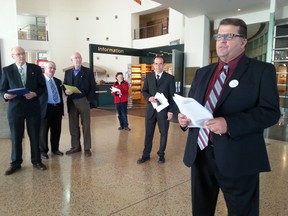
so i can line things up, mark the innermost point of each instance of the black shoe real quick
(44, 156)
(161, 159)
(40, 166)
(88, 153)
(58, 153)
(143, 160)
(120, 128)
(73, 150)
(12, 169)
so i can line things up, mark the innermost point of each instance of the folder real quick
(18, 91)
(73, 89)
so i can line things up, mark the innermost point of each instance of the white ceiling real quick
(216, 8)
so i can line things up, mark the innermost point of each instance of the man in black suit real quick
(23, 107)
(161, 82)
(52, 110)
(78, 104)
(235, 153)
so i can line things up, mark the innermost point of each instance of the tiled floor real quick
(112, 183)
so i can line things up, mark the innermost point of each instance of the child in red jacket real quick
(120, 93)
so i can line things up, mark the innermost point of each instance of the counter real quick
(103, 95)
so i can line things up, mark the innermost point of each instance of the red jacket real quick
(124, 87)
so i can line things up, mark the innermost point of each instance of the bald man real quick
(23, 107)
(79, 104)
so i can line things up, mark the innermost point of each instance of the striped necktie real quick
(203, 137)
(22, 75)
(54, 91)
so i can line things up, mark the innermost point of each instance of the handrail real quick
(33, 32)
(151, 30)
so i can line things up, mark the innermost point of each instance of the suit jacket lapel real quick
(70, 76)
(17, 76)
(204, 80)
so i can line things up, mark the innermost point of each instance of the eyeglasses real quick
(19, 54)
(75, 58)
(226, 36)
(51, 68)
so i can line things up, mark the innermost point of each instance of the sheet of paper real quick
(193, 110)
(162, 102)
(73, 89)
(18, 91)
(114, 89)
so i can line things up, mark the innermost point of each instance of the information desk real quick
(103, 95)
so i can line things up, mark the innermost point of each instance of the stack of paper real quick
(162, 102)
(114, 89)
(193, 110)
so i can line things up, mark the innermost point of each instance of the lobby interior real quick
(112, 183)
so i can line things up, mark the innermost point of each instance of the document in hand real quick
(193, 110)
(114, 89)
(73, 89)
(18, 91)
(162, 102)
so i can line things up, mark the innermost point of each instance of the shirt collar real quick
(47, 78)
(77, 70)
(160, 74)
(24, 66)
(233, 63)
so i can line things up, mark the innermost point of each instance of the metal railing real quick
(151, 31)
(33, 32)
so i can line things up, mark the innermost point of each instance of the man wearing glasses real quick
(230, 152)
(23, 107)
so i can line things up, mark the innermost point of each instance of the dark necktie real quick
(157, 79)
(54, 91)
(210, 104)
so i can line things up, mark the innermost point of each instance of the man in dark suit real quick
(236, 151)
(52, 110)
(23, 107)
(78, 104)
(161, 82)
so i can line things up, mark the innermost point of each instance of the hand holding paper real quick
(193, 110)
(162, 102)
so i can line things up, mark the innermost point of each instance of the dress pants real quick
(80, 108)
(17, 127)
(241, 194)
(163, 126)
(52, 122)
